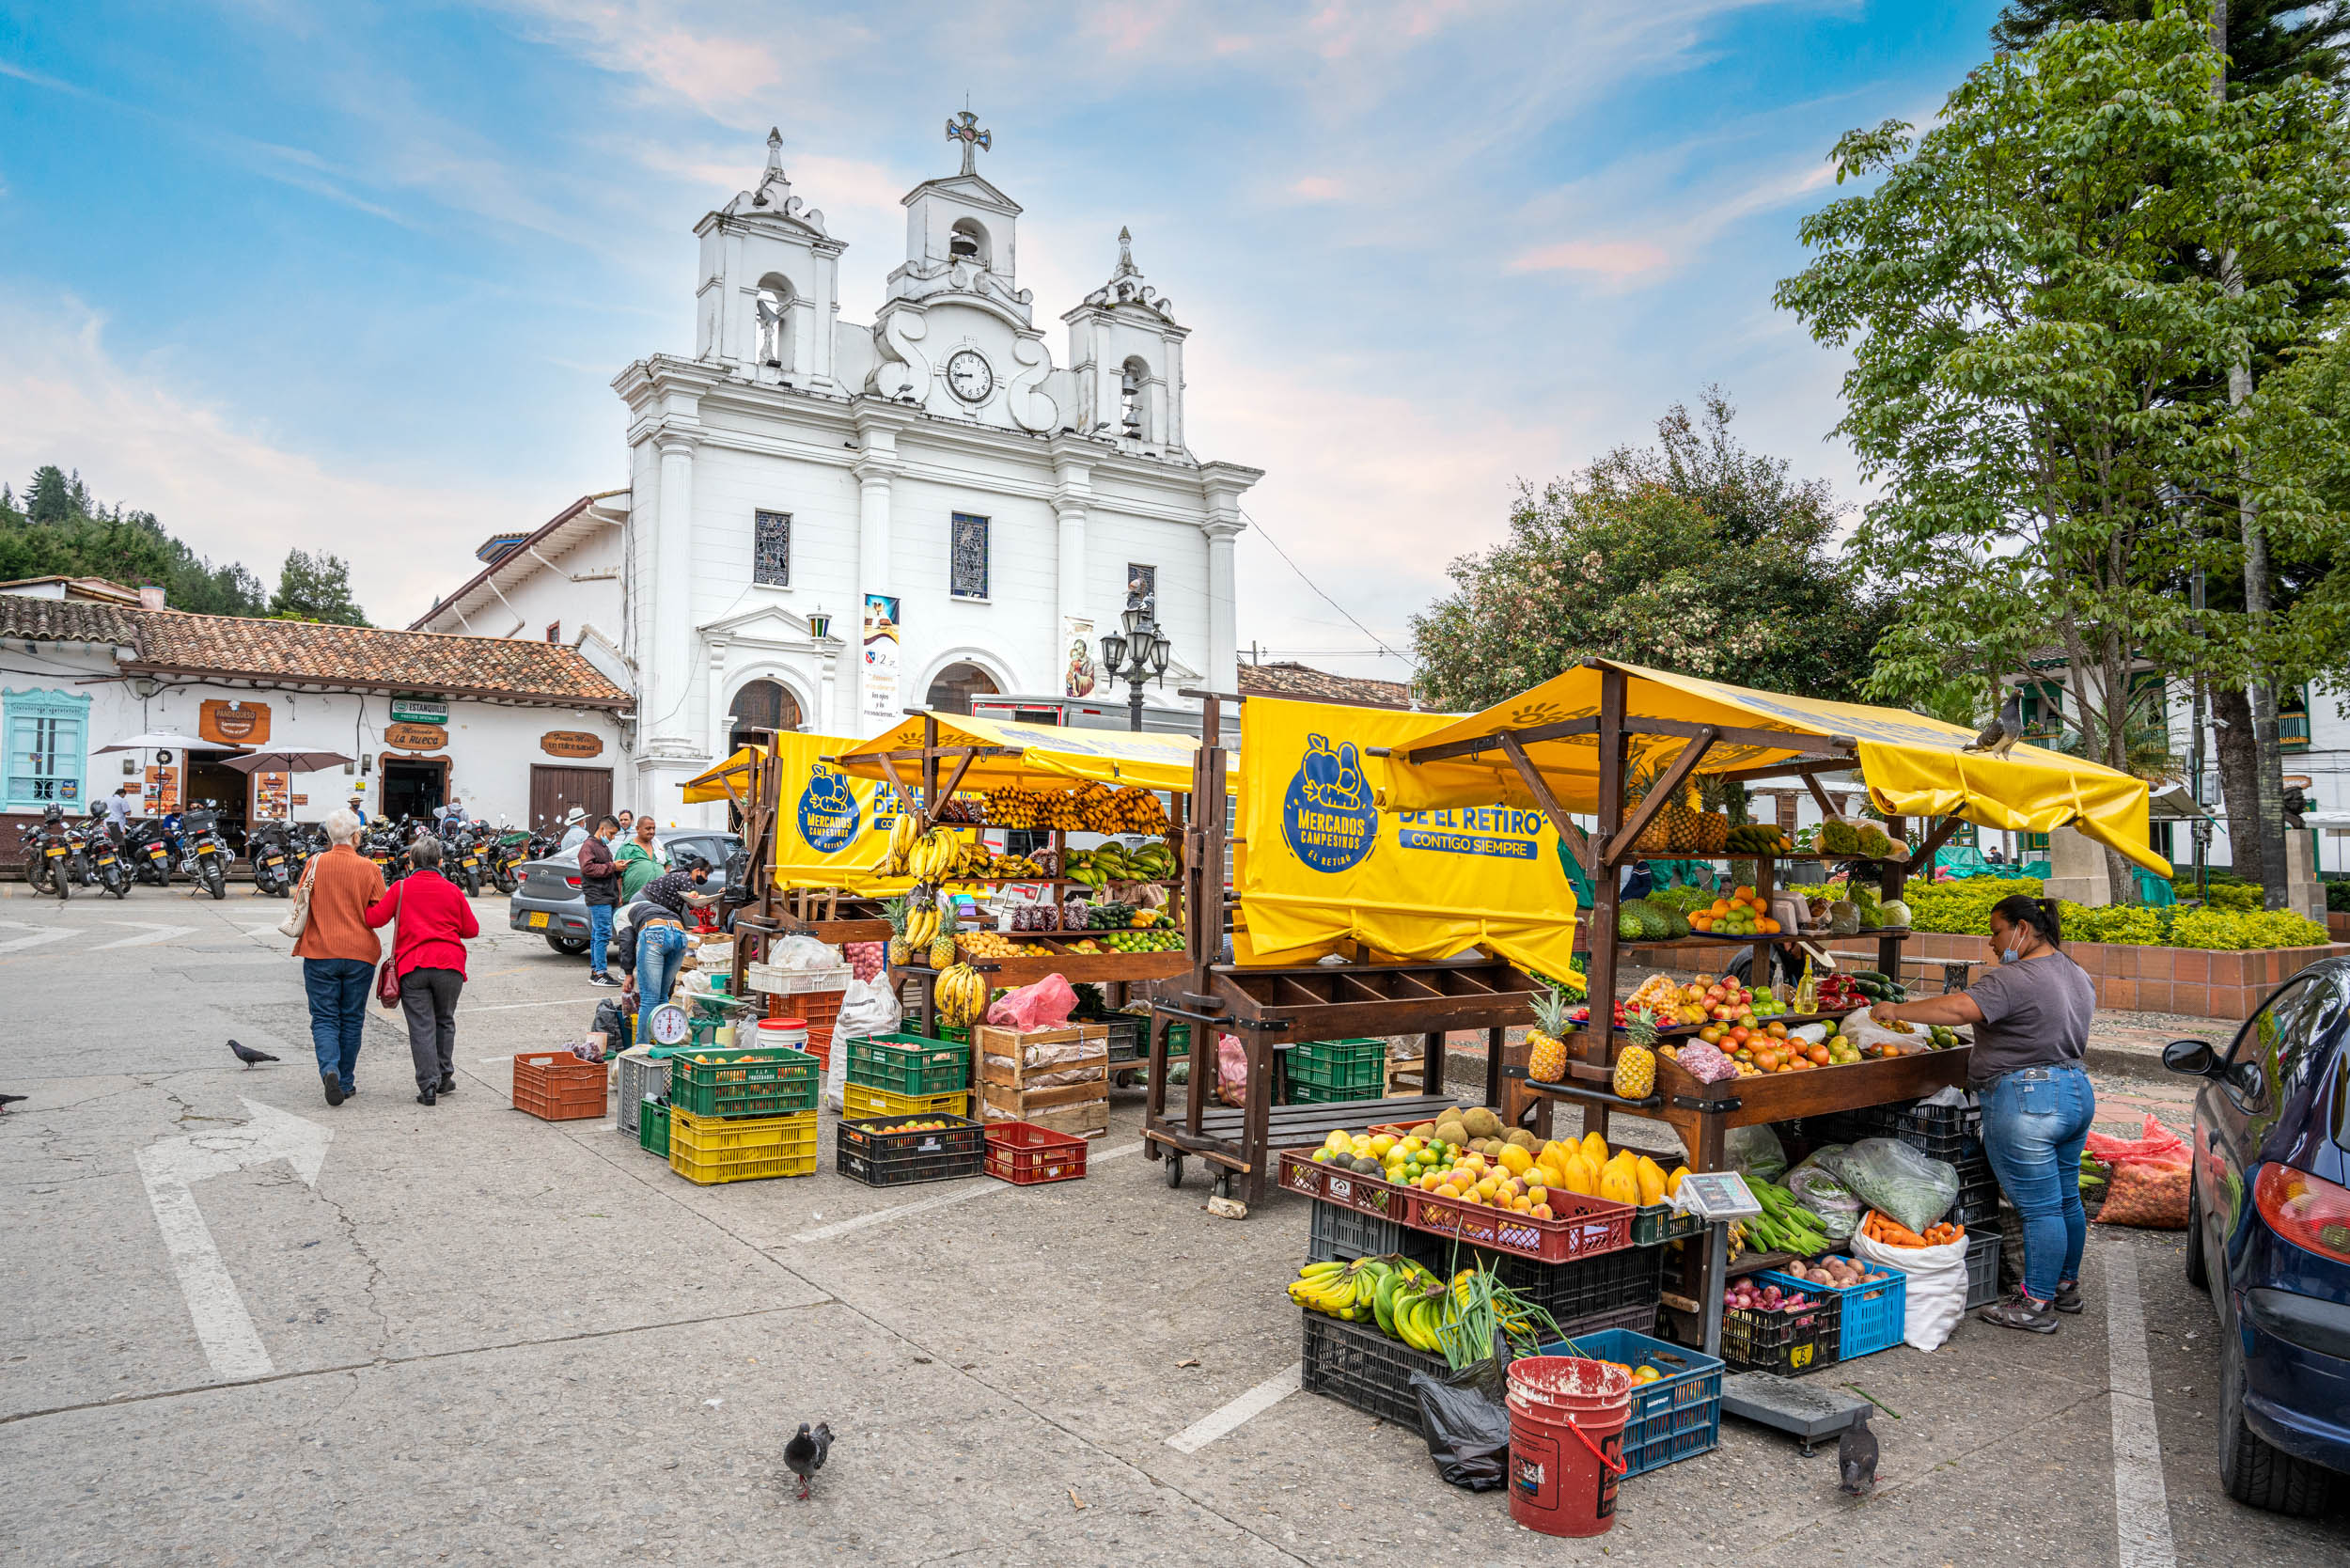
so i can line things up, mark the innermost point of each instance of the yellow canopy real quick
(1913, 766)
(830, 831)
(1047, 756)
(704, 788)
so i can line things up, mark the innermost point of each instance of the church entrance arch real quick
(952, 688)
(762, 704)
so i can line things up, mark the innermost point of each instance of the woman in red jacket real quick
(429, 956)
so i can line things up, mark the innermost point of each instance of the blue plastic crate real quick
(1677, 1417)
(1873, 1314)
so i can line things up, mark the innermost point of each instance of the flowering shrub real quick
(2227, 928)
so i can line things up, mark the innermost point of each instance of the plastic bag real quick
(2149, 1194)
(1819, 1191)
(2156, 1142)
(802, 952)
(1755, 1151)
(836, 1073)
(613, 1024)
(867, 1008)
(1045, 1004)
(1888, 1175)
(1232, 1070)
(1936, 1296)
(1467, 1425)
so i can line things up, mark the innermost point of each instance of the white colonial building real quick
(827, 522)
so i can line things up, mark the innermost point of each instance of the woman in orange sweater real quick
(338, 953)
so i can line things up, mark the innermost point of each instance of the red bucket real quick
(1567, 1417)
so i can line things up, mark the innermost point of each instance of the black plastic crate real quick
(1355, 1364)
(1951, 1133)
(879, 1152)
(1333, 1231)
(1983, 1265)
(1572, 1292)
(1978, 1202)
(1789, 1343)
(1641, 1320)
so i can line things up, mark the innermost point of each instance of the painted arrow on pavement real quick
(40, 934)
(171, 1167)
(153, 933)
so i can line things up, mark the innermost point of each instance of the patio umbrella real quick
(284, 761)
(157, 740)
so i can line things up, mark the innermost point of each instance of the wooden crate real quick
(1081, 1107)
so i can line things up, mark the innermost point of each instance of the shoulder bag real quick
(386, 973)
(297, 919)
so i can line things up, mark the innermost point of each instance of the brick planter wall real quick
(2338, 926)
(2197, 981)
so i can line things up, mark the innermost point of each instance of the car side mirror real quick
(2194, 1058)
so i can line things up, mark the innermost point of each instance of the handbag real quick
(386, 976)
(297, 919)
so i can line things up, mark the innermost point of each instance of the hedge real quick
(1963, 908)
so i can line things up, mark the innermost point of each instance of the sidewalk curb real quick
(2122, 1063)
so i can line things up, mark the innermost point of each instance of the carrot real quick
(1900, 1235)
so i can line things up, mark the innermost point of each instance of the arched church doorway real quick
(956, 685)
(760, 705)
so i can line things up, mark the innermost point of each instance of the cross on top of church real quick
(964, 128)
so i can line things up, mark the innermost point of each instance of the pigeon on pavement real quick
(1999, 736)
(1856, 1457)
(8, 1100)
(250, 1056)
(804, 1454)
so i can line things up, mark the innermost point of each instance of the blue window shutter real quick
(46, 740)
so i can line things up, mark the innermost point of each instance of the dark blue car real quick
(2268, 1234)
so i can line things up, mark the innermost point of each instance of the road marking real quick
(154, 934)
(1255, 1403)
(959, 1195)
(509, 1007)
(39, 936)
(171, 1167)
(2141, 1504)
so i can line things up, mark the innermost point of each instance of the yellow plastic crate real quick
(865, 1099)
(709, 1148)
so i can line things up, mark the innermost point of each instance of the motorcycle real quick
(509, 848)
(147, 849)
(276, 853)
(204, 855)
(464, 856)
(49, 855)
(94, 852)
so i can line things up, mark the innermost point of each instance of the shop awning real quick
(736, 770)
(1913, 766)
(1036, 756)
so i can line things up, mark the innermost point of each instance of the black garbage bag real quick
(613, 1024)
(1466, 1424)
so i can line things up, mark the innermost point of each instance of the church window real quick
(770, 549)
(760, 705)
(1145, 581)
(967, 242)
(956, 685)
(774, 322)
(966, 557)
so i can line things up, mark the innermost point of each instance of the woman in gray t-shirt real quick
(2030, 1017)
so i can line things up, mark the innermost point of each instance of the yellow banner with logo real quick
(1324, 867)
(831, 830)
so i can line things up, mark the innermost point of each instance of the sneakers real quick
(2020, 1311)
(2068, 1298)
(424, 1097)
(604, 980)
(448, 1084)
(333, 1087)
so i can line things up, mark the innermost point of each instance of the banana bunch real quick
(962, 994)
(934, 856)
(1406, 1301)
(922, 925)
(902, 837)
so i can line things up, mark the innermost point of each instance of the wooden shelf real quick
(1690, 1032)
(1778, 938)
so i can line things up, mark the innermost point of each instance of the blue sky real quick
(358, 276)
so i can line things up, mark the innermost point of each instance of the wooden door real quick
(555, 791)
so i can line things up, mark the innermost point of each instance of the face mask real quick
(2010, 955)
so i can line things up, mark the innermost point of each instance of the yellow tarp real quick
(1913, 766)
(1051, 756)
(831, 830)
(1324, 867)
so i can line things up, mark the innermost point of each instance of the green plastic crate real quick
(653, 1127)
(909, 1064)
(1314, 1094)
(772, 1080)
(1334, 1065)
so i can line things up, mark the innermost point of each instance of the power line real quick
(1323, 597)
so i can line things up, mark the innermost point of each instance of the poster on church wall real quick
(1079, 674)
(881, 656)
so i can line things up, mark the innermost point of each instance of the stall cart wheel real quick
(1174, 1170)
(1223, 1183)
(1125, 1080)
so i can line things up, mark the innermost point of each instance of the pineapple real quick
(942, 953)
(1548, 1061)
(1678, 826)
(1636, 1065)
(900, 950)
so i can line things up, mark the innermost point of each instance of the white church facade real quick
(826, 523)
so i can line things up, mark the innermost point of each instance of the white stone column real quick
(1174, 393)
(873, 524)
(666, 660)
(715, 699)
(1222, 662)
(1072, 492)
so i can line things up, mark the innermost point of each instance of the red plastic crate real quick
(1027, 1155)
(1588, 1226)
(557, 1086)
(818, 1010)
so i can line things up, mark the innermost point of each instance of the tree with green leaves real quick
(2021, 330)
(61, 532)
(1694, 555)
(2267, 42)
(315, 587)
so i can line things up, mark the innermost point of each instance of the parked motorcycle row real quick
(63, 853)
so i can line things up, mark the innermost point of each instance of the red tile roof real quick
(298, 651)
(1304, 683)
(25, 618)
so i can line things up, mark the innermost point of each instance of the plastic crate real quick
(1338, 1064)
(1654, 1224)
(653, 1127)
(710, 1150)
(909, 1064)
(1356, 1365)
(1982, 1264)
(557, 1086)
(1950, 1133)
(861, 1100)
(1027, 1155)
(1335, 1231)
(881, 1151)
(1978, 1202)
(1130, 1033)
(1868, 1317)
(1318, 1094)
(1641, 1320)
(1586, 1227)
(1677, 1417)
(642, 1078)
(762, 1081)
(1789, 1343)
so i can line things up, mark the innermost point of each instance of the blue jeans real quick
(339, 989)
(598, 935)
(2034, 1122)
(660, 950)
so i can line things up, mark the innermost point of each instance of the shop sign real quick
(233, 723)
(416, 737)
(570, 742)
(420, 710)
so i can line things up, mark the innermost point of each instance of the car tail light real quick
(571, 882)
(2308, 1211)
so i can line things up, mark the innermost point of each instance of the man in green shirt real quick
(640, 862)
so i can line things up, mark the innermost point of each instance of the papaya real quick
(1596, 1149)
(1652, 1181)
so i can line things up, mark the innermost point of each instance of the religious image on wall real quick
(881, 656)
(1078, 670)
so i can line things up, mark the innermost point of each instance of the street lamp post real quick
(1138, 654)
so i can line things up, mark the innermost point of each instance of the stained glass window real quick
(770, 549)
(966, 557)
